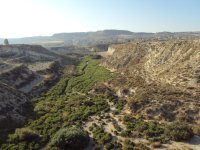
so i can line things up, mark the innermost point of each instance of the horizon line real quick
(96, 31)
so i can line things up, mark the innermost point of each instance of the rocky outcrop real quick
(162, 77)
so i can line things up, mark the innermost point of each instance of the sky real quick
(24, 18)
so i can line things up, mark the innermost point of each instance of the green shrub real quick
(70, 138)
(117, 127)
(109, 146)
(179, 131)
(154, 130)
(125, 133)
(101, 136)
(91, 128)
(120, 104)
(128, 145)
(116, 112)
(24, 134)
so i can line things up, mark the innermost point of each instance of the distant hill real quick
(99, 37)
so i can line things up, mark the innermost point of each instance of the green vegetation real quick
(117, 126)
(128, 145)
(113, 146)
(101, 136)
(70, 138)
(125, 133)
(24, 134)
(104, 138)
(179, 131)
(120, 104)
(155, 131)
(67, 104)
(91, 73)
(23, 138)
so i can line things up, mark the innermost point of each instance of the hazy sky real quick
(20, 18)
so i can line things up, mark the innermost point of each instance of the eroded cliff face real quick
(13, 107)
(159, 78)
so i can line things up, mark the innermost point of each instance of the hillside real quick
(26, 66)
(159, 79)
(14, 77)
(14, 107)
(25, 72)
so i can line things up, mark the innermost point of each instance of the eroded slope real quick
(159, 78)
(14, 106)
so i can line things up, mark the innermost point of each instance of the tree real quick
(6, 42)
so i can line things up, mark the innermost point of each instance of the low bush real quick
(179, 131)
(125, 133)
(155, 131)
(128, 145)
(120, 104)
(113, 146)
(101, 136)
(116, 112)
(24, 134)
(117, 126)
(109, 146)
(70, 138)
